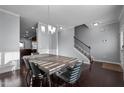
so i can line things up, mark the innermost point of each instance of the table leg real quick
(49, 80)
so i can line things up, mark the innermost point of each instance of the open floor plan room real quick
(61, 45)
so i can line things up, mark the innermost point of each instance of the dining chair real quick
(32, 72)
(36, 75)
(72, 75)
(36, 53)
(28, 71)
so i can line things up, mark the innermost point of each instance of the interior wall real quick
(53, 43)
(43, 40)
(104, 41)
(122, 16)
(9, 41)
(66, 45)
(122, 38)
(47, 41)
(27, 43)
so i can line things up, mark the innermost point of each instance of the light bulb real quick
(43, 28)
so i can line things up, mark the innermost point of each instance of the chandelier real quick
(47, 27)
(50, 28)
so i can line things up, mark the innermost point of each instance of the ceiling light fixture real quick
(43, 28)
(32, 27)
(95, 24)
(51, 28)
(60, 27)
(26, 32)
(48, 27)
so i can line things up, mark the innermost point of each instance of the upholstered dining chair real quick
(36, 53)
(28, 71)
(35, 75)
(33, 72)
(72, 74)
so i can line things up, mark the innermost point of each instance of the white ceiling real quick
(66, 15)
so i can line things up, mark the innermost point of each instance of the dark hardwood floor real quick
(98, 77)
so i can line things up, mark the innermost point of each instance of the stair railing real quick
(84, 47)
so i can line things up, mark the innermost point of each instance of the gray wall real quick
(53, 43)
(43, 40)
(66, 45)
(122, 32)
(47, 42)
(101, 50)
(9, 41)
(104, 41)
(122, 16)
(27, 43)
(9, 32)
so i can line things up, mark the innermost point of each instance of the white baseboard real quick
(8, 68)
(52, 51)
(41, 51)
(108, 62)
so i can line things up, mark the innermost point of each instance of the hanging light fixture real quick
(42, 28)
(51, 28)
(48, 27)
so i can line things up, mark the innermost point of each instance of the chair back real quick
(36, 53)
(27, 63)
(35, 70)
(74, 73)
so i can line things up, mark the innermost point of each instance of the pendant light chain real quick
(48, 13)
(51, 29)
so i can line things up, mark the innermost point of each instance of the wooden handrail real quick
(82, 42)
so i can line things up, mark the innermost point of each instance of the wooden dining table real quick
(50, 63)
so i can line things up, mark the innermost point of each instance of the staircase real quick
(84, 49)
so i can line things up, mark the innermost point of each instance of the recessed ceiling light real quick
(32, 27)
(26, 32)
(61, 27)
(95, 24)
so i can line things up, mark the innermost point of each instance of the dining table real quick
(51, 63)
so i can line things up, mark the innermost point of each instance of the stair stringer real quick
(85, 59)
